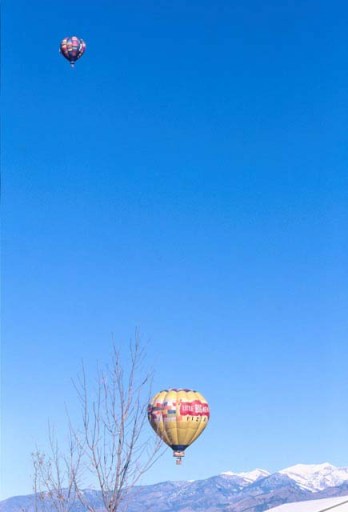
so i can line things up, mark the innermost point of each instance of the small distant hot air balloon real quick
(72, 48)
(178, 416)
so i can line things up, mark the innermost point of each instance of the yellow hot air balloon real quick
(178, 416)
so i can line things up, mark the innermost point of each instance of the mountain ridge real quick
(251, 491)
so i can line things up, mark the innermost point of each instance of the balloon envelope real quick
(178, 416)
(72, 48)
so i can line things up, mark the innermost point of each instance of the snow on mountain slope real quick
(316, 477)
(332, 504)
(249, 476)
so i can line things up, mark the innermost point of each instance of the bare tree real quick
(55, 476)
(111, 448)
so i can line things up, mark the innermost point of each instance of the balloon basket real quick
(179, 456)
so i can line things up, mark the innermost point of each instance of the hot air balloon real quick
(178, 416)
(72, 48)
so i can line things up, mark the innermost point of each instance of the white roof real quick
(327, 504)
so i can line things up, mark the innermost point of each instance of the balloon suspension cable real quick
(179, 456)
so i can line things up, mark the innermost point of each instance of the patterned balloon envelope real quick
(178, 416)
(72, 48)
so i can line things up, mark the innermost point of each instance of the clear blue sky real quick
(188, 177)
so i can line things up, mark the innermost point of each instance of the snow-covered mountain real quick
(252, 491)
(249, 476)
(316, 477)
